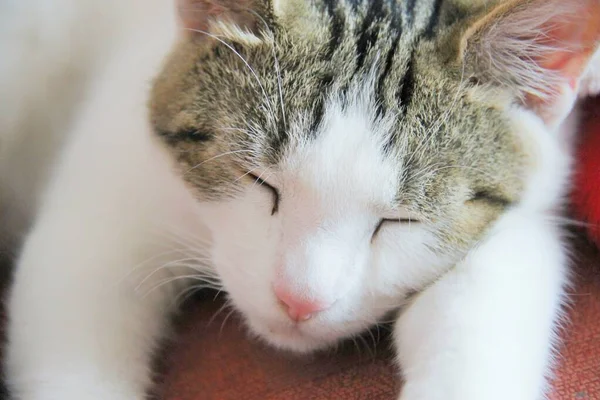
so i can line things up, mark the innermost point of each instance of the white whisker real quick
(214, 158)
(225, 320)
(187, 293)
(173, 264)
(194, 277)
(220, 310)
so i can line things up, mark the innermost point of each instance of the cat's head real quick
(347, 153)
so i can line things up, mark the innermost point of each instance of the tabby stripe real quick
(276, 143)
(338, 23)
(407, 85)
(434, 19)
(319, 105)
(410, 12)
(369, 31)
(354, 4)
(389, 60)
(185, 135)
(396, 12)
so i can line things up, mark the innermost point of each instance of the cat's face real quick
(338, 170)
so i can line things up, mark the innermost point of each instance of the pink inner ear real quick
(195, 14)
(578, 37)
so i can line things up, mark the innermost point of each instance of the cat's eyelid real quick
(262, 183)
(400, 215)
(260, 180)
(490, 198)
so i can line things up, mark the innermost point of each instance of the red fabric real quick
(586, 185)
(578, 369)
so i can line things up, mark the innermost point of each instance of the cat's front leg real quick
(79, 329)
(485, 330)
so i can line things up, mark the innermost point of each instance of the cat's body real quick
(138, 189)
(338, 138)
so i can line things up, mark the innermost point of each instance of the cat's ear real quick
(224, 18)
(539, 49)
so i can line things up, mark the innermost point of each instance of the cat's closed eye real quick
(489, 198)
(263, 184)
(383, 221)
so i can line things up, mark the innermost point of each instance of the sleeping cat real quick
(323, 162)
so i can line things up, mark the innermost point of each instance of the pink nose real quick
(298, 309)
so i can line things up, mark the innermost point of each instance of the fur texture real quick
(350, 152)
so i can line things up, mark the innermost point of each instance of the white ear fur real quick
(539, 49)
(233, 32)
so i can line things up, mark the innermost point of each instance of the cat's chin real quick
(291, 338)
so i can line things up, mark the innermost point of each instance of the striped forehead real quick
(415, 18)
(371, 47)
(247, 102)
(415, 14)
(374, 38)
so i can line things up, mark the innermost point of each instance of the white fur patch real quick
(230, 31)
